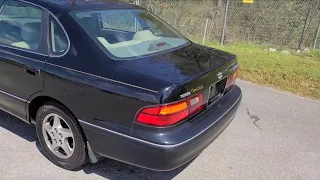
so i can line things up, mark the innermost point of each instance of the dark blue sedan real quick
(109, 79)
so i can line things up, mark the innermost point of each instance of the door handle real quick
(32, 70)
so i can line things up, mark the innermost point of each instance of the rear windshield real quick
(127, 34)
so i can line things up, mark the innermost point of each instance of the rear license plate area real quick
(216, 91)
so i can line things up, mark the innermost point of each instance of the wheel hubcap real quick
(58, 136)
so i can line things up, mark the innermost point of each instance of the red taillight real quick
(231, 80)
(166, 115)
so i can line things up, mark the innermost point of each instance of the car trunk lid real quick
(192, 69)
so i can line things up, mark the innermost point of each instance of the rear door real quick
(22, 54)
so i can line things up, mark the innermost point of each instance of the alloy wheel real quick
(58, 136)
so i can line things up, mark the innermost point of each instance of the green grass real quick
(299, 74)
(316, 54)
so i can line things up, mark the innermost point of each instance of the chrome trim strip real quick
(21, 56)
(119, 82)
(159, 145)
(11, 95)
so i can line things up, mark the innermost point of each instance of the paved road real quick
(274, 136)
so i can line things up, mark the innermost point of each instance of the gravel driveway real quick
(274, 136)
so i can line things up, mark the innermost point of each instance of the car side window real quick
(58, 39)
(20, 25)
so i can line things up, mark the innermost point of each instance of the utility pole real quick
(317, 37)
(305, 27)
(225, 22)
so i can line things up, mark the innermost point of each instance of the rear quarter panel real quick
(96, 99)
(93, 88)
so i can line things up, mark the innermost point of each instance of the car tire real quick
(65, 149)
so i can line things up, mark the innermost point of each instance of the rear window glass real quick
(120, 20)
(126, 34)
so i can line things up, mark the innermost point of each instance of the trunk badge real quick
(219, 75)
(196, 89)
(185, 95)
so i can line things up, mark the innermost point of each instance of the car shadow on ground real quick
(107, 168)
(18, 127)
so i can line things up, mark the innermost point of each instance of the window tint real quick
(120, 20)
(20, 25)
(59, 41)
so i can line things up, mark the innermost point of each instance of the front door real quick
(22, 54)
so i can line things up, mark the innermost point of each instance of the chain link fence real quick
(290, 24)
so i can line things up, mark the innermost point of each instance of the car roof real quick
(65, 6)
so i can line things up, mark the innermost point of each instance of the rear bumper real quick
(160, 157)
